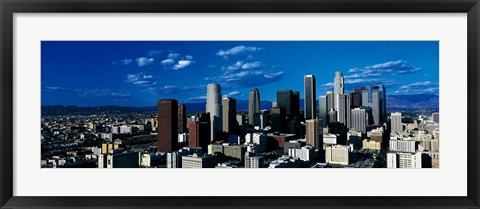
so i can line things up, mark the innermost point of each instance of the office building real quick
(196, 161)
(279, 120)
(374, 97)
(314, 134)
(332, 116)
(253, 161)
(337, 154)
(322, 111)
(167, 130)
(214, 107)
(309, 103)
(330, 103)
(122, 160)
(199, 131)
(253, 104)
(305, 153)
(396, 122)
(403, 145)
(295, 104)
(329, 139)
(340, 107)
(370, 144)
(229, 112)
(359, 120)
(182, 118)
(284, 99)
(436, 117)
(338, 83)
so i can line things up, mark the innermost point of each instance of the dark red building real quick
(167, 129)
(199, 132)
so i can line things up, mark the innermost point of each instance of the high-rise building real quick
(167, 130)
(374, 97)
(340, 107)
(348, 108)
(214, 107)
(396, 122)
(337, 154)
(436, 117)
(182, 118)
(199, 131)
(284, 99)
(314, 134)
(253, 104)
(338, 83)
(229, 112)
(332, 116)
(330, 104)
(309, 103)
(359, 120)
(279, 122)
(322, 110)
(295, 104)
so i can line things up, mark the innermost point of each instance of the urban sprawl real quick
(348, 130)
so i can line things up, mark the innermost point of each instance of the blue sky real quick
(138, 73)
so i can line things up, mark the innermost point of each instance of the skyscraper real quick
(314, 134)
(182, 118)
(229, 106)
(295, 104)
(348, 108)
(278, 116)
(284, 99)
(332, 116)
(340, 107)
(338, 83)
(214, 107)
(374, 97)
(322, 110)
(396, 122)
(310, 107)
(167, 136)
(199, 131)
(253, 104)
(359, 120)
(330, 101)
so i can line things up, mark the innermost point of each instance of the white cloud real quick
(140, 79)
(142, 61)
(173, 55)
(153, 52)
(425, 87)
(237, 50)
(168, 62)
(233, 93)
(182, 64)
(252, 65)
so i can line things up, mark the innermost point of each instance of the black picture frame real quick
(10, 7)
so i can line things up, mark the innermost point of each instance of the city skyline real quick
(412, 68)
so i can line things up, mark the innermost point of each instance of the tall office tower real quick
(340, 107)
(332, 116)
(314, 134)
(436, 117)
(396, 122)
(279, 122)
(337, 87)
(229, 106)
(167, 136)
(284, 99)
(356, 99)
(338, 83)
(348, 109)
(322, 110)
(295, 104)
(199, 131)
(253, 104)
(330, 99)
(359, 120)
(374, 97)
(182, 118)
(310, 107)
(214, 107)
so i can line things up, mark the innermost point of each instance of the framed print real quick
(261, 104)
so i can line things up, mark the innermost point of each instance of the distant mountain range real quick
(394, 103)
